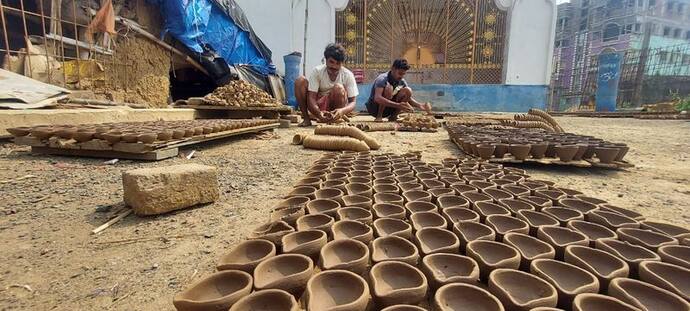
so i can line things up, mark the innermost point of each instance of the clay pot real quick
(560, 238)
(530, 248)
(498, 194)
(503, 225)
(288, 272)
(536, 219)
(597, 302)
(675, 254)
(474, 198)
(612, 221)
(287, 214)
(321, 222)
(433, 184)
(592, 200)
(351, 229)
(538, 150)
(668, 276)
(426, 175)
(359, 189)
(568, 280)
(482, 185)
(486, 151)
(461, 189)
(337, 290)
(500, 150)
(147, 138)
(383, 188)
(600, 263)
(566, 153)
(357, 214)
(383, 210)
(345, 254)
(394, 248)
(521, 291)
(583, 207)
(267, 300)
(390, 198)
(465, 297)
(539, 203)
(218, 291)
(307, 242)
(593, 231)
(440, 192)
(296, 201)
(570, 192)
(468, 231)
(397, 282)
(391, 226)
(646, 296)
(403, 308)
(632, 254)
(553, 195)
(417, 195)
(515, 190)
(303, 191)
(272, 231)
(336, 176)
(520, 151)
(441, 269)
(410, 186)
(563, 215)
(485, 209)
(420, 207)
(323, 206)
(423, 220)
(329, 194)
(491, 255)
(355, 200)
(165, 135)
(606, 155)
(436, 240)
(313, 182)
(450, 201)
(668, 229)
(456, 214)
(247, 255)
(19, 131)
(514, 205)
(645, 238)
(83, 136)
(625, 212)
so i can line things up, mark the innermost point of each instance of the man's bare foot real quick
(378, 120)
(305, 123)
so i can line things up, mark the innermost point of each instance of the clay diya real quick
(420, 207)
(410, 186)
(329, 194)
(632, 254)
(355, 213)
(569, 280)
(355, 200)
(536, 219)
(468, 231)
(219, 291)
(417, 195)
(323, 206)
(272, 231)
(563, 215)
(597, 302)
(519, 290)
(625, 212)
(553, 195)
(675, 254)
(394, 248)
(450, 201)
(383, 210)
(441, 269)
(247, 255)
(267, 300)
(560, 238)
(391, 226)
(288, 272)
(403, 308)
(612, 221)
(307, 243)
(583, 207)
(668, 229)
(485, 209)
(345, 254)
(645, 238)
(592, 230)
(396, 282)
(514, 205)
(668, 276)
(351, 229)
(503, 225)
(359, 189)
(530, 248)
(423, 220)
(600, 263)
(491, 255)
(384, 188)
(435, 240)
(321, 222)
(539, 203)
(465, 297)
(337, 290)
(456, 214)
(390, 198)
(646, 296)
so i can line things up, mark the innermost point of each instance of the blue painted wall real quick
(473, 97)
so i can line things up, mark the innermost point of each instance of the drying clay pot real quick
(430, 184)
(435, 240)
(449, 201)
(485, 209)
(612, 221)
(359, 189)
(420, 207)
(267, 300)
(219, 291)
(356, 200)
(538, 151)
(355, 213)
(668, 276)
(600, 263)
(321, 222)
(272, 231)
(560, 238)
(307, 243)
(410, 186)
(403, 308)
(625, 212)
(289, 272)
(337, 290)
(503, 225)
(383, 210)
(417, 195)
(482, 184)
(570, 192)
(553, 195)
(394, 248)
(632, 254)
(530, 248)
(539, 203)
(491, 255)
(397, 282)
(247, 255)
(606, 155)
(468, 231)
(646, 296)
(592, 200)
(351, 229)
(563, 215)
(383, 188)
(597, 302)
(440, 192)
(521, 291)
(645, 238)
(675, 254)
(498, 194)
(336, 184)
(475, 198)
(569, 280)
(323, 206)
(423, 220)
(390, 198)
(295, 201)
(329, 194)
(441, 269)
(514, 205)
(147, 138)
(313, 182)
(456, 214)
(486, 151)
(345, 254)
(519, 151)
(303, 191)
(536, 219)
(592, 230)
(465, 297)
(566, 153)
(287, 214)
(391, 226)
(668, 229)
(461, 189)
(583, 207)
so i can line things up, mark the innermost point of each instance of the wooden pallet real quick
(232, 112)
(135, 151)
(661, 115)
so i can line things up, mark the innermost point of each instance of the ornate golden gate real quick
(445, 41)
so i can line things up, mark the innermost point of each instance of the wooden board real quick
(232, 112)
(109, 154)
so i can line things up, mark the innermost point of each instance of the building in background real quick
(652, 35)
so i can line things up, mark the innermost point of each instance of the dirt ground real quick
(50, 260)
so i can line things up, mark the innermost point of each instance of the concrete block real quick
(153, 191)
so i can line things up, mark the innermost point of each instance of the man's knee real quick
(338, 90)
(406, 91)
(301, 82)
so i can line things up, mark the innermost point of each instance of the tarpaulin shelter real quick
(216, 27)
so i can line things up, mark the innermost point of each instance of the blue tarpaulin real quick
(218, 24)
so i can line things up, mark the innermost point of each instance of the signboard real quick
(607, 81)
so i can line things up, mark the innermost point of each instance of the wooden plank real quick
(109, 154)
(235, 108)
(212, 136)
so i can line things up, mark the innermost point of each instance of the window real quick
(652, 3)
(585, 3)
(611, 32)
(676, 33)
(628, 29)
(663, 57)
(680, 8)
(687, 35)
(596, 36)
(669, 7)
(640, 3)
(667, 31)
(686, 59)
(638, 27)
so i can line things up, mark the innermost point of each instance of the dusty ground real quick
(51, 261)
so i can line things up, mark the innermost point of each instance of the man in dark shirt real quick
(391, 95)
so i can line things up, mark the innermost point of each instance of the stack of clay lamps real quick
(133, 132)
(337, 138)
(415, 122)
(364, 231)
(526, 143)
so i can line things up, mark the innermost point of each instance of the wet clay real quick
(307, 242)
(521, 291)
(675, 254)
(503, 225)
(397, 282)
(288, 272)
(391, 226)
(345, 254)
(351, 229)
(593, 231)
(441, 269)
(632, 254)
(394, 248)
(435, 240)
(492, 255)
(602, 264)
(468, 231)
(337, 290)
(560, 238)
(646, 296)
(597, 302)
(465, 297)
(267, 300)
(569, 280)
(668, 276)
(530, 248)
(218, 291)
(247, 255)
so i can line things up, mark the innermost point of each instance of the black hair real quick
(335, 51)
(401, 63)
